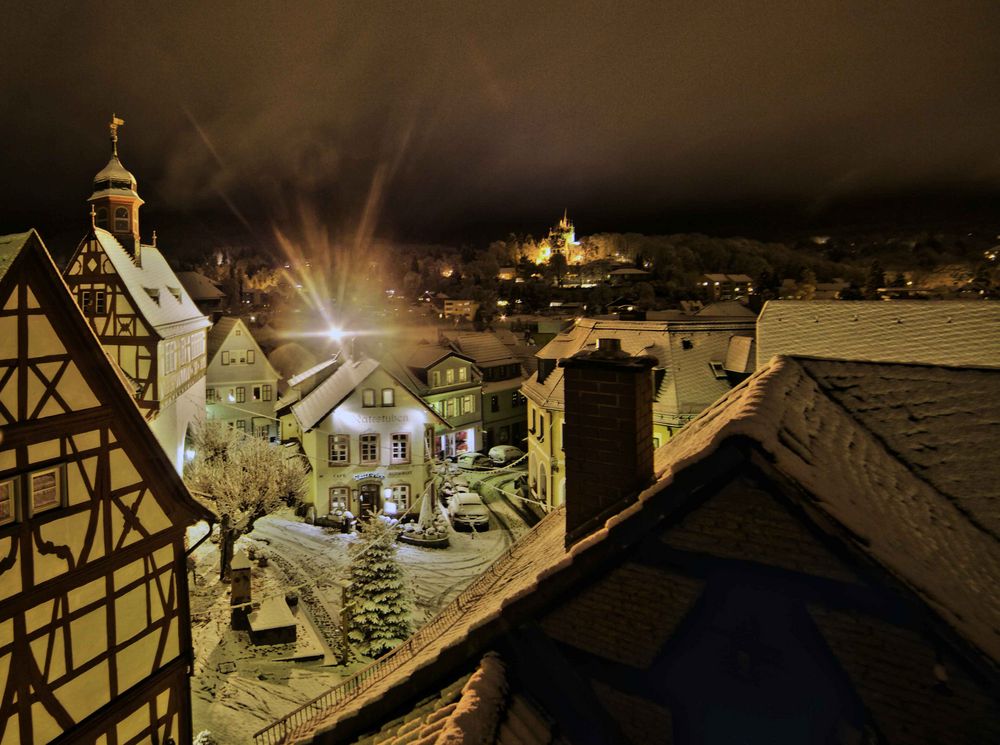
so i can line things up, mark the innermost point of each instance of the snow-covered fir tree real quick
(379, 603)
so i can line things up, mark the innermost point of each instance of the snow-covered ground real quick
(238, 688)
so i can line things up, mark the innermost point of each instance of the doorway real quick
(369, 498)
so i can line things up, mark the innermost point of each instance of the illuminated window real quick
(339, 496)
(388, 397)
(85, 300)
(463, 374)
(210, 396)
(121, 220)
(398, 496)
(101, 218)
(241, 395)
(169, 357)
(436, 378)
(267, 392)
(241, 425)
(44, 490)
(369, 448)
(263, 431)
(451, 407)
(449, 376)
(656, 441)
(100, 303)
(250, 356)
(368, 397)
(7, 492)
(401, 448)
(340, 449)
(468, 404)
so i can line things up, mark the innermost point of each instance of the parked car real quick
(503, 454)
(467, 510)
(474, 461)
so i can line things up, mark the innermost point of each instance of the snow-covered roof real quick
(740, 354)
(934, 332)
(894, 454)
(218, 333)
(173, 311)
(485, 349)
(325, 397)
(10, 247)
(477, 708)
(291, 356)
(199, 287)
(732, 308)
(114, 180)
(314, 370)
(683, 348)
(872, 466)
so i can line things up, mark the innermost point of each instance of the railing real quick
(299, 720)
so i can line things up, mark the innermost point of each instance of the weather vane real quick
(115, 124)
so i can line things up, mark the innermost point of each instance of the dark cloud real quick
(498, 113)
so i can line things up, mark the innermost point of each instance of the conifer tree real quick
(379, 604)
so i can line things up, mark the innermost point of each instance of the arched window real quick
(121, 220)
(542, 483)
(101, 219)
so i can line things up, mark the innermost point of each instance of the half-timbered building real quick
(140, 311)
(95, 642)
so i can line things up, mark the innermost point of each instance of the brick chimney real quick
(608, 438)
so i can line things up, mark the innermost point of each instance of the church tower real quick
(115, 203)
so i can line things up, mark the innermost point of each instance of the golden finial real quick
(154, 239)
(115, 124)
(93, 217)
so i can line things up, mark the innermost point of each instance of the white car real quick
(474, 462)
(501, 454)
(467, 510)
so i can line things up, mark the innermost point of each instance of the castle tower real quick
(115, 202)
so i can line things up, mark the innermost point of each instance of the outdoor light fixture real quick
(335, 334)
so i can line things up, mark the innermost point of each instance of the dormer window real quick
(153, 293)
(121, 220)
(718, 369)
(463, 374)
(176, 292)
(101, 218)
(435, 378)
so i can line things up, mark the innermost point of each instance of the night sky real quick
(467, 119)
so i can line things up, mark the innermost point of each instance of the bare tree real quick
(241, 478)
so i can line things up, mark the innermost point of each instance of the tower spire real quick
(115, 124)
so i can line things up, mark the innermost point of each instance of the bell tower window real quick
(121, 220)
(101, 219)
